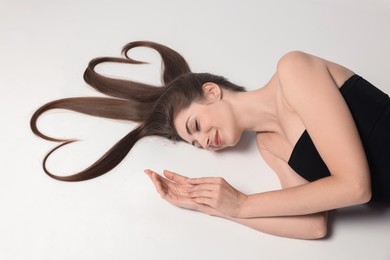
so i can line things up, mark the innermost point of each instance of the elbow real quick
(356, 191)
(365, 196)
(320, 233)
(320, 227)
(362, 193)
(316, 227)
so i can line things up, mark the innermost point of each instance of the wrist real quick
(241, 206)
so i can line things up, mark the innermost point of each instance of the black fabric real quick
(370, 108)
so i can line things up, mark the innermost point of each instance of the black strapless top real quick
(370, 108)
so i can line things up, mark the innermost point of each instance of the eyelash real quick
(197, 128)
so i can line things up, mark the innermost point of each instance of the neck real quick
(256, 110)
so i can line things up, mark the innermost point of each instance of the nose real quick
(204, 141)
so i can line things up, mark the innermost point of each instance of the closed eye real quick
(197, 128)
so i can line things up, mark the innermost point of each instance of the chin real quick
(231, 143)
(236, 139)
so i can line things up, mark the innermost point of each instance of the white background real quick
(44, 49)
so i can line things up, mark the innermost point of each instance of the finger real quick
(190, 204)
(153, 175)
(156, 181)
(207, 186)
(205, 201)
(150, 173)
(210, 180)
(159, 186)
(202, 194)
(175, 177)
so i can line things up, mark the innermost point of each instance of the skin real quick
(302, 88)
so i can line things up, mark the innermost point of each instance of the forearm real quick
(322, 195)
(312, 226)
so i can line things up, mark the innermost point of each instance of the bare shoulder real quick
(300, 63)
(297, 59)
(310, 86)
(293, 56)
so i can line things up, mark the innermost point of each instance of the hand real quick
(218, 194)
(174, 189)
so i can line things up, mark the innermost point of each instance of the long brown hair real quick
(153, 107)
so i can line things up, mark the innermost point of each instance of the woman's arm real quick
(313, 226)
(311, 91)
(309, 88)
(174, 190)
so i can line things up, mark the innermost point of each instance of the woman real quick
(321, 128)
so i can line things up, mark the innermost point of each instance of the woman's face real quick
(209, 124)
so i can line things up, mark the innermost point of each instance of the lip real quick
(217, 139)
